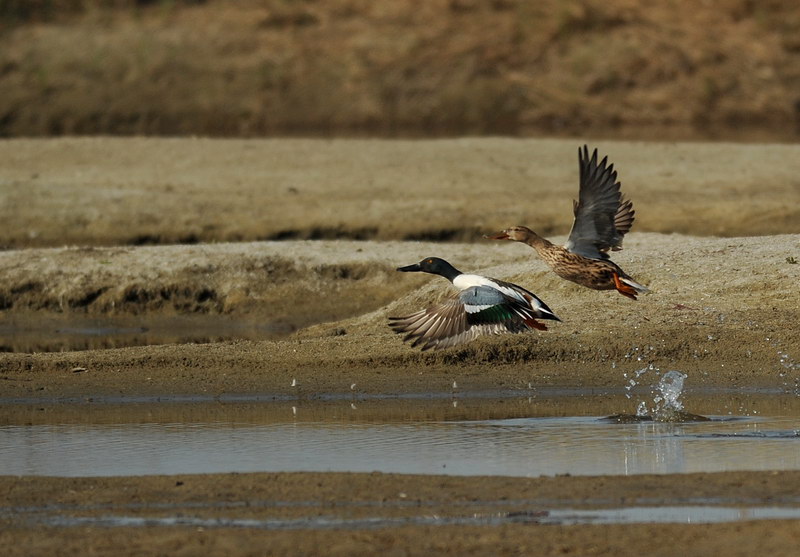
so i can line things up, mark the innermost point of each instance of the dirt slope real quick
(614, 68)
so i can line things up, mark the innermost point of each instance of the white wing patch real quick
(475, 309)
(510, 292)
(462, 282)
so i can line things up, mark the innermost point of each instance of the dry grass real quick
(21, 12)
(440, 67)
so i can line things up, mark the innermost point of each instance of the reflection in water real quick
(508, 447)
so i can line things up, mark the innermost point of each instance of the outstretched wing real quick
(602, 216)
(527, 300)
(475, 311)
(623, 220)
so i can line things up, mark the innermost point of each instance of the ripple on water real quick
(577, 445)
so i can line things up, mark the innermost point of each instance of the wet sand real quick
(272, 498)
(722, 309)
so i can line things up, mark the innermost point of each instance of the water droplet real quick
(670, 386)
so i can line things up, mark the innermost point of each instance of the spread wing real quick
(527, 301)
(475, 311)
(623, 220)
(602, 215)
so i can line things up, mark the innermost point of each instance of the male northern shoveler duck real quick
(602, 217)
(482, 306)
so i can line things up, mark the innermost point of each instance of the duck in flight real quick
(482, 306)
(602, 217)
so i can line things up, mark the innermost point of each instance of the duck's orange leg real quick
(623, 288)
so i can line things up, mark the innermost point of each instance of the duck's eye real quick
(429, 261)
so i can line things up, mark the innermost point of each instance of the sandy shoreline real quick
(348, 497)
(722, 310)
(124, 191)
(718, 311)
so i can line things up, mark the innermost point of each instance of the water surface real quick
(271, 437)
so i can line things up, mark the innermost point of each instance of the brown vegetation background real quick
(614, 68)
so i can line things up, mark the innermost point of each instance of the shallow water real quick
(35, 333)
(698, 514)
(483, 437)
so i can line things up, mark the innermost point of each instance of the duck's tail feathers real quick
(541, 308)
(633, 284)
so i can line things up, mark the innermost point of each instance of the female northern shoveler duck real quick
(602, 218)
(482, 306)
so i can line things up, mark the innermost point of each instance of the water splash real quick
(633, 381)
(667, 402)
(789, 367)
(666, 406)
(788, 372)
(787, 362)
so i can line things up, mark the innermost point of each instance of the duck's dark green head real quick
(433, 265)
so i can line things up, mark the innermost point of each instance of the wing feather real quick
(602, 215)
(475, 311)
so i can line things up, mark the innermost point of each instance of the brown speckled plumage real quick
(602, 218)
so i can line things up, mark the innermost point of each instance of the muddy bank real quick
(357, 408)
(720, 310)
(274, 499)
(287, 285)
(139, 191)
